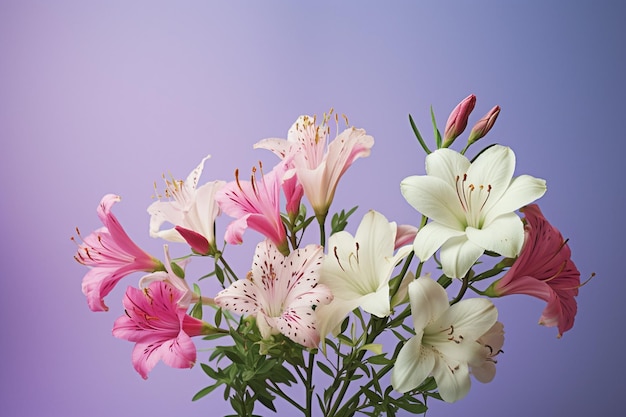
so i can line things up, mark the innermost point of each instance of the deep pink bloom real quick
(319, 164)
(111, 254)
(159, 326)
(255, 204)
(282, 292)
(544, 269)
(457, 121)
(484, 125)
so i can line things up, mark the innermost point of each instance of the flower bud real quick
(457, 121)
(484, 125)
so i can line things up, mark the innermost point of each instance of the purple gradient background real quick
(99, 97)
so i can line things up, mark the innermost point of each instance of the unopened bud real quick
(457, 121)
(484, 125)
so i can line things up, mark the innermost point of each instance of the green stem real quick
(231, 273)
(377, 328)
(309, 385)
(322, 222)
(464, 286)
(276, 390)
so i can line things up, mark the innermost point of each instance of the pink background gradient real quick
(100, 97)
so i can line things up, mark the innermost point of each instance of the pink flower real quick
(282, 292)
(159, 326)
(544, 269)
(111, 254)
(318, 166)
(457, 121)
(255, 204)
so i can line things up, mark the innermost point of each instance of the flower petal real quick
(452, 378)
(434, 198)
(428, 301)
(431, 237)
(504, 235)
(458, 255)
(413, 365)
(446, 164)
(494, 167)
(522, 190)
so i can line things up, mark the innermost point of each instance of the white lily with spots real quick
(282, 292)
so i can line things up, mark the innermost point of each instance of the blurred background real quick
(105, 97)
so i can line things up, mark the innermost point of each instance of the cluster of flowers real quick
(333, 299)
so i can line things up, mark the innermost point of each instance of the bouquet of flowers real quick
(306, 322)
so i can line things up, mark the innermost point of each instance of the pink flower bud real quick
(457, 121)
(484, 125)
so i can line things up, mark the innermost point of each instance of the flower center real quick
(473, 199)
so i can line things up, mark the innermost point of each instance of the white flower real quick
(471, 206)
(445, 340)
(357, 270)
(491, 342)
(190, 208)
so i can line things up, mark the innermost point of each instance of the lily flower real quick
(543, 270)
(471, 206)
(319, 166)
(160, 328)
(445, 340)
(191, 209)
(255, 204)
(357, 270)
(282, 292)
(484, 371)
(111, 254)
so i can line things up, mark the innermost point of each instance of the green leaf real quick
(435, 130)
(177, 270)
(418, 135)
(219, 273)
(205, 391)
(324, 368)
(379, 360)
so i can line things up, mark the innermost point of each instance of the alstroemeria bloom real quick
(255, 204)
(485, 370)
(318, 166)
(282, 292)
(191, 209)
(471, 206)
(159, 326)
(445, 340)
(111, 254)
(544, 270)
(357, 270)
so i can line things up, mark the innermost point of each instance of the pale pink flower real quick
(191, 209)
(281, 292)
(544, 269)
(187, 296)
(319, 164)
(405, 235)
(484, 369)
(111, 254)
(457, 121)
(159, 326)
(255, 204)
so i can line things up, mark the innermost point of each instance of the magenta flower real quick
(544, 269)
(318, 166)
(111, 254)
(159, 326)
(255, 204)
(457, 121)
(282, 292)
